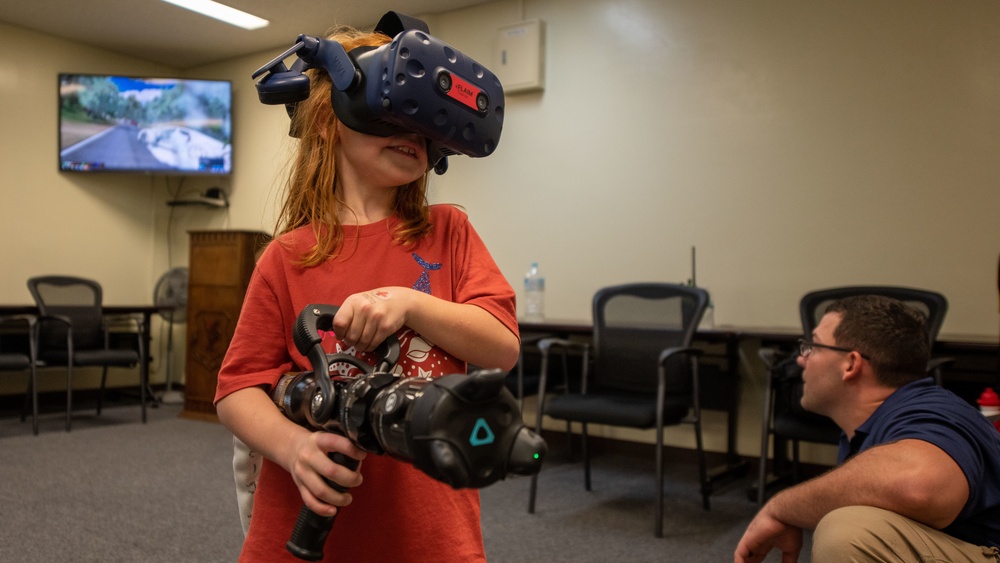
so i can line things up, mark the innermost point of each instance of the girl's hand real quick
(366, 319)
(312, 464)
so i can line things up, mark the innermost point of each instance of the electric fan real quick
(170, 295)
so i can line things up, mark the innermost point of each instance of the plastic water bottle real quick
(534, 294)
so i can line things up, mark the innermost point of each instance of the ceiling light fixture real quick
(222, 12)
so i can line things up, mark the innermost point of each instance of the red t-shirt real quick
(399, 513)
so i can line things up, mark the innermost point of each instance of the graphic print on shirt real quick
(417, 357)
(423, 283)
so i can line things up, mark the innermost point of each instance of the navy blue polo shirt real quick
(924, 411)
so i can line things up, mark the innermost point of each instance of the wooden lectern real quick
(221, 263)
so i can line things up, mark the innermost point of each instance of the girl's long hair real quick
(312, 197)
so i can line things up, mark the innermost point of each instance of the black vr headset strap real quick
(392, 24)
(342, 68)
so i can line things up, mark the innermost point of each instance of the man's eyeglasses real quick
(806, 348)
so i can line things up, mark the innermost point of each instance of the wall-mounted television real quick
(113, 123)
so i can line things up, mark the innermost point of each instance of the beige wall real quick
(115, 228)
(796, 145)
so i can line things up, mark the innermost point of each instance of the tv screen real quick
(144, 125)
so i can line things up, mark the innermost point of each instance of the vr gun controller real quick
(463, 430)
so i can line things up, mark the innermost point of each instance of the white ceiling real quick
(163, 33)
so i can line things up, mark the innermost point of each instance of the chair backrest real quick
(633, 323)
(79, 299)
(930, 303)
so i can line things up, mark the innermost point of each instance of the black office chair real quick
(784, 418)
(644, 374)
(12, 358)
(72, 331)
(524, 379)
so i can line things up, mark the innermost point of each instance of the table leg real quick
(144, 343)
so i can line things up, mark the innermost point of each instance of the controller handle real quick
(311, 530)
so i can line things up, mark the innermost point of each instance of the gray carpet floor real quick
(115, 490)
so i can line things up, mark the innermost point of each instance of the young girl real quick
(356, 231)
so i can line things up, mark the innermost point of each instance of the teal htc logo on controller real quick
(481, 434)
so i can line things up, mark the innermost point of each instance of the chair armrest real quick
(60, 318)
(27, 326)
(770, 356)
(938, 363)
(934, 368)
(69, 332)
(667, 353)
(546, 343)
(42, 319)
(29, 323)
(28, 320)
(534, 338)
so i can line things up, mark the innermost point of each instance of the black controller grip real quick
(311, 529)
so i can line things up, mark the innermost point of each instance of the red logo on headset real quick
(463, 92)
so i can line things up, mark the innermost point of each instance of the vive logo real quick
(481, 434)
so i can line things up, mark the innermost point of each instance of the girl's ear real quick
(326, 125)
(331, 129)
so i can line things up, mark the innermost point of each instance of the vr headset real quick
(414, 84)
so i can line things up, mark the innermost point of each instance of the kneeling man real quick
(919, 471)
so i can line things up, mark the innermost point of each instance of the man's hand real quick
(766, 533)
(910, 477)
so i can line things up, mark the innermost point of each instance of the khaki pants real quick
(864, 533)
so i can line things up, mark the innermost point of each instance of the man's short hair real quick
(893, 334)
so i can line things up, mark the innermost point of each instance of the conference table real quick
(110, 311)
